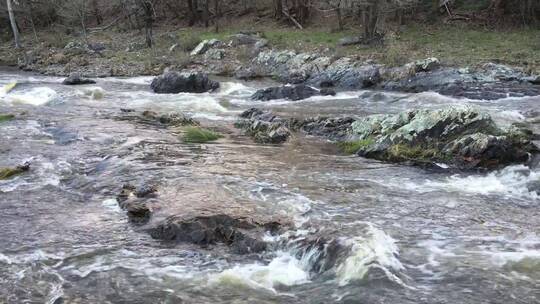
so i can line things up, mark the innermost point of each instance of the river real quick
(413, 235)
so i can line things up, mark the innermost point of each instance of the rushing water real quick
(412, 236)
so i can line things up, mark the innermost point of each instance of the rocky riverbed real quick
(121, 195)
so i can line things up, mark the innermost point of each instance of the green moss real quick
(200, 135)
(401, 152)
(351, 147)
(6, 173)
(6, 117)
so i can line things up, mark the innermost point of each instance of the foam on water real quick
(35, 96)
(235, 89)
(513, 181)
(142, 80)
(375, 249)
(92, 92)
(283, 270)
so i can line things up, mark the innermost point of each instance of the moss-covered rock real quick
(200, 135)
(7, 173)
(6, 117)
(461, 136)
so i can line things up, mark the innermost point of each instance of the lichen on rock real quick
(460, 135)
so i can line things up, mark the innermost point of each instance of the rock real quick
(260, 44)
(135, 46)
(75, 45)
(245, 73)
(489, 83)
(346, 74)
(460, 136)
(77, 79)
(264, 127)
(214, 54)
(7, 173)
(242, 235)
(204, 46)
(350, 41)
(97, 47)
(135, 202)
(168, 119)
(426, 65)
(243, 39)
(290, 92)
(535, 79)
(176, 82)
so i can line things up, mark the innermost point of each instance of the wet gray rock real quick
(190, 82)
(290, 92)
(490, 82)
(135, 202)
(344, 74)
(77, 79)
(460, 136)
(264, 127)
(172, 119)
(242, 235)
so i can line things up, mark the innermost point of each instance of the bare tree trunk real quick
(217, 14)
(31, 13)
(192, 13)
(206, 13)
(338, 15)
(148, 22)
(278, 9)
(13, 25)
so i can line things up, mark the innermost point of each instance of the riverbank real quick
(114, 53)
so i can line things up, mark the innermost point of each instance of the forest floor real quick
(455, 45)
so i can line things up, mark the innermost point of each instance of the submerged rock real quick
(290, 92)
(7, 173)
(77, 79)
(242, 235)
(134, 201)
(189, 82)
(460, 136)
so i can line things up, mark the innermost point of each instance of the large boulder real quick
(77, 79)
(459, 136)
(290, 92)
(490, 82)
(189, 82)
(347, 74)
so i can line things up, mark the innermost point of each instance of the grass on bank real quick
(200, 135)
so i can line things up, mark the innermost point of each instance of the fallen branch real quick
(298, 25)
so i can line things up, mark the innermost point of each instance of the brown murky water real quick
(412, 236)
